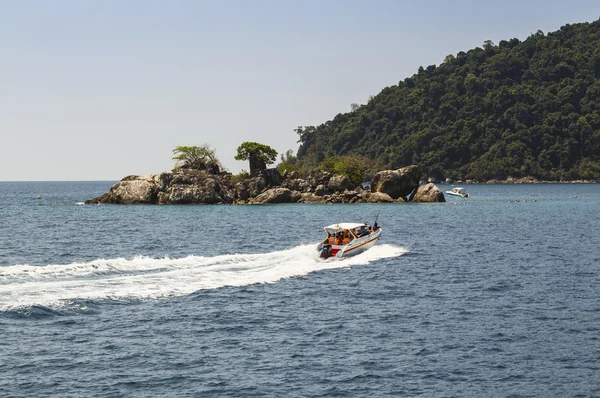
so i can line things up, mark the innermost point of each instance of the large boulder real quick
(255, 186)
(338, 183)
(321, 190)
(275, 195)
(272, 177)
(397, 183)
(428, 193)
(309, 197)
(318, 177)
(209, 191)
(241, 192)
(132, 190)
(195, 186)
(379, 197)
(297, 184)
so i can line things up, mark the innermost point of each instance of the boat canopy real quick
(333, 228)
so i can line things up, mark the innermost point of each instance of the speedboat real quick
(458, 192)
(347, 239)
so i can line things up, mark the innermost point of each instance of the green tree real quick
(289, 162)
(196, 157)
(259, 155)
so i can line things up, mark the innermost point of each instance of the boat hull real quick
(456, 194)
(353, 248)
(460, 192)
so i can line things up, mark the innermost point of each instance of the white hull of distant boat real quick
(458, 192)
(357, 239)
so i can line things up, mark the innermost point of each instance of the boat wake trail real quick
(144, 278)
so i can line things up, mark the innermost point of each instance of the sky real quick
(98, 90)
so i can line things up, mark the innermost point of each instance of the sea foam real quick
(142, 278)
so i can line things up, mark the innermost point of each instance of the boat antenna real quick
(376, 217)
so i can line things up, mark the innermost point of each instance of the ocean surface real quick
(495, 295)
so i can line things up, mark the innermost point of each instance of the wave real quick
(143, 278)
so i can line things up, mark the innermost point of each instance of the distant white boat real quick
(458, 192)
(347, 239)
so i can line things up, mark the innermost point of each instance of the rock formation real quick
(133, 190)
(195, 187)
(428, 193)
(380, 197)
(339, 183)
(309, 197)
(190, 186)
(183, 187)
(276, 195)
(397, 183)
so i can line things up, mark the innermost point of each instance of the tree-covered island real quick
(516, 109)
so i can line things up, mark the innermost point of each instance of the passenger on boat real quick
(339, 239)
(346, 237)
(375, 227)
(363, 231)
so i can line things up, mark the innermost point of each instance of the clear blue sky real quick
(97, 90)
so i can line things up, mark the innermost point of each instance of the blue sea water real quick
(493, 295)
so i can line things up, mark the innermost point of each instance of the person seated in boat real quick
(374, 227)
(329, 239)
(347, 237)
(363, 231)
(339, 239)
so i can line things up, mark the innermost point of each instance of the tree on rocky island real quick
(289, 162)
(259, 155)
(196, 157)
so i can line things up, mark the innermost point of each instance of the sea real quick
(494, 295)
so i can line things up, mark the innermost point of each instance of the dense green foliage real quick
(517, 109)
(259, 155)
(355, 167)
(196, 157)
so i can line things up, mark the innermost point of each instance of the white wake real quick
(149, 278)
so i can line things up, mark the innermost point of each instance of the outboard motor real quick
(326, 252)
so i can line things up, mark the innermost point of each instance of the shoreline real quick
(515, 181)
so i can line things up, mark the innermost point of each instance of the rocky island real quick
(193, 186)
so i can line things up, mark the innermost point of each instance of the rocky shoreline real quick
(191, 186)
(522, 180)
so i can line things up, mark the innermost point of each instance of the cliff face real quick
(201, 187)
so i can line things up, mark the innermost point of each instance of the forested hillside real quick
(529, 108)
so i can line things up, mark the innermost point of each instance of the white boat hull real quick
(456, 194)
(458, 191)
(353, 248)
